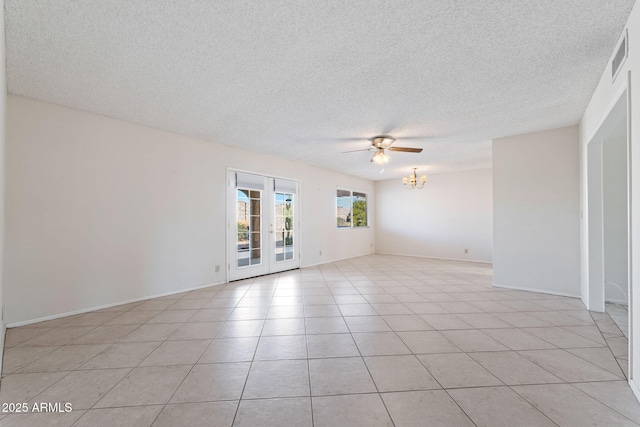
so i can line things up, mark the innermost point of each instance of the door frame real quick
(228, 219)
(595, 204)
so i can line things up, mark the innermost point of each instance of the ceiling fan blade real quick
(414, 137)
(405, 149)
(354, 151)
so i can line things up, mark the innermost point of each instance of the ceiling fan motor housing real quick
(382, 141)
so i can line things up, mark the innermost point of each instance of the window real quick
(351, 209)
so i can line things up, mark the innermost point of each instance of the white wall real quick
(101, 211)
(3, 102)
(602, 102)
(536, 206)
(453, 212)
(615, 235)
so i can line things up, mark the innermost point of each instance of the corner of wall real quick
(3, 109)
(3, 330)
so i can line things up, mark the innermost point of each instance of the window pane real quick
(243, 206)
(255, 257)
(283, 224)
(255, 206)
(242, 197)
(343, 208)
(248, 226)
(243, 258)
(359, 209)
(255, 223)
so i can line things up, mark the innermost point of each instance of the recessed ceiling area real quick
(310, 80)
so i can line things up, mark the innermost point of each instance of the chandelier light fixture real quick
(411, 182)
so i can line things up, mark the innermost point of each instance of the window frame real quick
(342, 193)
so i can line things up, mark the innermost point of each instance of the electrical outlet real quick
(217, 268)
(466, 251)
(320, 253)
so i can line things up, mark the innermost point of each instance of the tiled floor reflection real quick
(619, 313)
(371, 341)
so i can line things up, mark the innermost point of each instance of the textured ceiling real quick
(307, 80)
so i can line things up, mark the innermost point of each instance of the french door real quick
(263, 226)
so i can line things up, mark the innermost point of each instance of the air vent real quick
(620, 56)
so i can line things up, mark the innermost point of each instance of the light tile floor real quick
(371, 341)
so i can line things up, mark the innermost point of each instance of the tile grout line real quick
(532, 405)
(246, 380)
(306, 346)
(369, 373)
(143, 359)
(137, 366)
(598, 400)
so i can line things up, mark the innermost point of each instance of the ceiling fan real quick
(383, 142)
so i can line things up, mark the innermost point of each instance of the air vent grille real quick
(620, 56)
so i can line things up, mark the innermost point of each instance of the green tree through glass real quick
(360, 213)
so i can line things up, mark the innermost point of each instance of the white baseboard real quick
(334, 260)
(435, 257)
(100, 307)
(540, 291)
(617, 301)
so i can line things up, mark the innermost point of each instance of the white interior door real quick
(263, 225)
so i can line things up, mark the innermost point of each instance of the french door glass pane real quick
(249, 220)
(283, 229)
